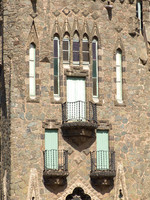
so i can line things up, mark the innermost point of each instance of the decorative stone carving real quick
(75, 10)
(85, 13)
(95, 15)
(118, 29)
(66, 11)
(33, 188)
(66, 27)
(86, 28)
(56, 13)
(33, 37)
(120, 183)
(56, 29)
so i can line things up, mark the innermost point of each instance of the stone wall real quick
(24, 119)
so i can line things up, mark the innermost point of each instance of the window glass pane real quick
(86, 56)
(75, 46)
(94, 69)
(85, 46)
(32, 86)
(65, 45)
(75, 56)
(94, 50)
(55, 66)
(65, 56)
(94, 87)
(55, 48)
(55, 84)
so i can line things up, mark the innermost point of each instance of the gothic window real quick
(76, 48)
(139, 13)
(85, 49)
(95, 66)
(56, 65)
(66, 49)
(119, 96)
(32, 62)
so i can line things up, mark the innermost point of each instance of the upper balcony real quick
(55, 167)
(79, 118)
(102, 167)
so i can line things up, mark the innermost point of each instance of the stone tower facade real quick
(75, 99)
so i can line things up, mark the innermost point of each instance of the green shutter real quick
(102, 150)
(51, 149)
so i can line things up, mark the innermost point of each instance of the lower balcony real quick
(79, 120)
(102, 167)
(55, 167)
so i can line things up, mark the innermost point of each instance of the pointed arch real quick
(56, 30)
(95, 33)
(119, 45)
(66, 48)
(75, 28)
(33, 36)
(76, 48)
(66, 26)
(86, 30)
(33, 62)
(85, 49)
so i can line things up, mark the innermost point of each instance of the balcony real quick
(102, 167)
(79, 119)
(55, 167)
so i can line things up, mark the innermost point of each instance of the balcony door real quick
(102, 150)
(51, 149)
(76, 104)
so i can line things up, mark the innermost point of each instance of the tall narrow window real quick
(56, 66)
(95, 67)
(119, 76)
(76, 49)
(139, 13)
(66, 49)
(32, 85)
(85, 50)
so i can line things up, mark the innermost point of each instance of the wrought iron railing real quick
(79, 111)
(55, 160)
(102, 160)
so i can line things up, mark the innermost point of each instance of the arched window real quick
(56, 65)
(95, 66)
(66, 49)
(76, 48)
(139, 13)
(85, 50)
(32, 61)
(119, 76)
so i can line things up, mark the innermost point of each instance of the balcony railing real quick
(79, 111)
(55, 160)
(102, 161)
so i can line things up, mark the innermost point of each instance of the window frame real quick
(85, 40)
(56, 38)
(95, 41)
(73, 51)
(119, 85)
(32, 69)
(68, 50)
